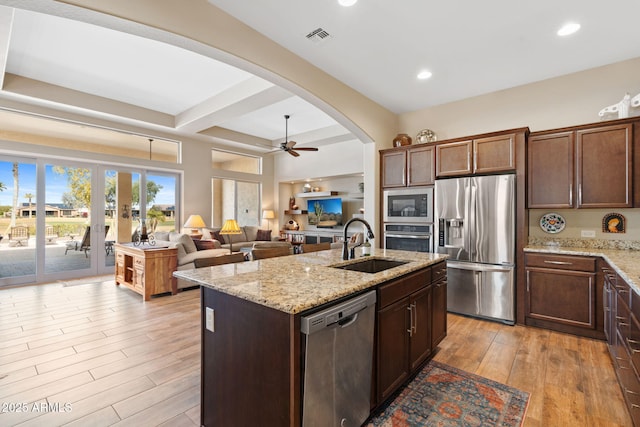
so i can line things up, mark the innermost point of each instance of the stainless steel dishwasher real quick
(338, 344)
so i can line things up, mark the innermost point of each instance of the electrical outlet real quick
(209, 319)
(588, 233)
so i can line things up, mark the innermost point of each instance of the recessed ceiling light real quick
(425, 74)
(568, 28)
(347, 3)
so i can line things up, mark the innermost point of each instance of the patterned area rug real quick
(441, 395)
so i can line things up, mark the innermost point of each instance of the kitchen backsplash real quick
(584, 243)
(586, 221)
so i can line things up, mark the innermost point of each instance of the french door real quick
(59, 219)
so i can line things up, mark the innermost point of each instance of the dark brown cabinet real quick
(561, 294)
(585, 167)
(622, 311)
(404, 330)
(407, 167)
(439, 303)
(478, 156)
(550, 170)
(604, 158)
(420, 166)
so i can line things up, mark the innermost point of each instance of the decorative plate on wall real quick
(552, 222)
(613, 223)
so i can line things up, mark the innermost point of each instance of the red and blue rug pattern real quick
(441, 395)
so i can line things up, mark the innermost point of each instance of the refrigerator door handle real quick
(477, 282)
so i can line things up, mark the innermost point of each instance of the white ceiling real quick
(376, 46)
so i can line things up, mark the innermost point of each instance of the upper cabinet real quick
(481, 155)
(407, 167)
(584, 167)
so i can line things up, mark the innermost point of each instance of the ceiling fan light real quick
(347, 3)
(568, 28)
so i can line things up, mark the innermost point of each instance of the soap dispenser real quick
(366, 248)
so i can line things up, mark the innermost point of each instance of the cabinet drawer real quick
(561, 262)
(438, 271)
(403, 287)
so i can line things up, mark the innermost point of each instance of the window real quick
(233, 162)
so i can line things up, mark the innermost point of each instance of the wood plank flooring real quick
(96, 354)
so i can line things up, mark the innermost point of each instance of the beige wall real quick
(564, 101)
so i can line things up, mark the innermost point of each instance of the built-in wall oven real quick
(408, 205)
(408, 237)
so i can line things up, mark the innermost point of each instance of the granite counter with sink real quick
(253, 349)
(296, 283)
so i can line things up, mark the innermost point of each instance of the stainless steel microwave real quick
(408, 205)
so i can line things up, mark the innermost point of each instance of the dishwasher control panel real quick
(337, 313)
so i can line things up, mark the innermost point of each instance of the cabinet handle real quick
(631, 392)
(571, 195)
(410, 330)
(414, 324)
(558, 262)
(579, 194)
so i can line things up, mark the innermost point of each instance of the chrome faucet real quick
(345, 245)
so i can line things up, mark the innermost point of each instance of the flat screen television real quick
(325, 212)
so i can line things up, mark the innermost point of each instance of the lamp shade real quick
(230, 227)
(268, 214)
(194, 221)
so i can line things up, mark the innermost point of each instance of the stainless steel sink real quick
(372, 265)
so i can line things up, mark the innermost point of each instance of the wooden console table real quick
(147, 270)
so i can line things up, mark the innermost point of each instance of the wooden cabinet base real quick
(146, 271)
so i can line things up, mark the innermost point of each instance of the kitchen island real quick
(252, 361)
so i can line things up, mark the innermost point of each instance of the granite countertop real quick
(296, 283)
(626, 262)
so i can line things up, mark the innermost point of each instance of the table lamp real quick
(268, 214)
(194, 222)
(230, 227)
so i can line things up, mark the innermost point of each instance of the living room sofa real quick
(248, 238)
(187, 249)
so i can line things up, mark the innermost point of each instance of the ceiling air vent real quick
(318, 35)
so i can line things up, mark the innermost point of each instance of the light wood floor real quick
(98, 355)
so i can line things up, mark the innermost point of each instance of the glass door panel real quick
(161, 202)
(67, 211)
(17, 220)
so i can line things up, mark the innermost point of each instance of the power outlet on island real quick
(209, 319)
(588, 233)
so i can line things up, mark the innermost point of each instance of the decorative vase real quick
(402, 139)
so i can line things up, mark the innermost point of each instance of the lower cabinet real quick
(411, 321)
(622, 310)
(561, 294)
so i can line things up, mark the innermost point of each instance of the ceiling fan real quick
(288, 146)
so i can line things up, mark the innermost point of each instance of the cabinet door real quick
(604, 174)
(420, 166)
(453, 158)
(550, 170)
(561, 296)
(394, 168)
(420, 342)
(494, 154)
(393, 347)
(439, 312)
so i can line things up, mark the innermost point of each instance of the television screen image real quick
(325, 212)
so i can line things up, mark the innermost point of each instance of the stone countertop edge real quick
(296, 283)
(625, 262)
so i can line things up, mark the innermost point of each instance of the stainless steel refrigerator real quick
(475, 226)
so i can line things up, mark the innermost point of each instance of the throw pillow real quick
(205, 244)
(217, 236)
(263, 235)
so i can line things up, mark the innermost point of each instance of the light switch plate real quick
(209, 319)
(588, 233)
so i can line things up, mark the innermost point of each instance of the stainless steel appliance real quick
(408, 237)
(475, 225)
(338, 345)
(412, 205)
